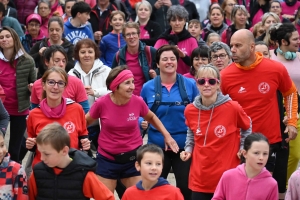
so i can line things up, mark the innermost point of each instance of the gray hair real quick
(46, 2)
(269, 14)
(177, 11)
(209, 68)
(145, 3)
(213, 35)
(216, 46)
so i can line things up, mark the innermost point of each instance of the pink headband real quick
(124, 75)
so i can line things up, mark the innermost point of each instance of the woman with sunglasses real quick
(210, 132)
(199, 57)
(55, 108)
(170, 111)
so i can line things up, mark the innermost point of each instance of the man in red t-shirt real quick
(253, 81)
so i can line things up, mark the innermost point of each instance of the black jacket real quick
(69, 183)
(39, 61)
(192, 10)
(154, 31)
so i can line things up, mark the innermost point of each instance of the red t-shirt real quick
(119, 124)
(218, 153)
(73, 121)
(74, 90)
(255, 89)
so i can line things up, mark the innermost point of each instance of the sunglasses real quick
(210, 81)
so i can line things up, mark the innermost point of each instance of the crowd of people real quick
(82, 82)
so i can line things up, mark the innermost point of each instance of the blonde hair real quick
(209, 68)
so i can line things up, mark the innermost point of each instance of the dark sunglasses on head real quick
(210, 81)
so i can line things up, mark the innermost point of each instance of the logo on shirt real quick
(220, 131)
(69, 126)
(131, 117)
(75, 36)
(242, 90)
(263, 87)
(184, 50)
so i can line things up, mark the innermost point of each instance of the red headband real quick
(124, 75)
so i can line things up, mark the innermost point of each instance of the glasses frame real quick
(56, 82)
(216, 57)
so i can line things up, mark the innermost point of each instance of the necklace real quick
(198, 131)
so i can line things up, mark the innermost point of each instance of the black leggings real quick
(17, 129)
(181, 171)
(202, 196)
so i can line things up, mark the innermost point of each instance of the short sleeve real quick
(144, 108)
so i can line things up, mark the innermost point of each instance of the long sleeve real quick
(20, 184)
(4, 118)
(291, 105)
(190, 142)
(244, 134)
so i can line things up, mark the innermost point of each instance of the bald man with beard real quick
(253, 81)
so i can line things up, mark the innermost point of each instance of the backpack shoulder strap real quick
(157, 90)
(117, 57)
(182, 90)
(148, 55)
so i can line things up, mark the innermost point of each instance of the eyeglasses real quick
(34, 25)
(197, 59)
(43, 8)
(60, 84)
(275, 7)
(210, 81)
(221, 56)
(128, 35)
(231, 4)
(239, 6)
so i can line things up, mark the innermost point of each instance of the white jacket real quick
(97, 78)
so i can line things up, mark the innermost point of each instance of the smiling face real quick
(55, 31)
(294, 42)
(54, 93)
(126, 88)
(198, 61)
(6, 40)
(143, 12)
(132, 37)
(256, 157)
(117, 23)
(167, 63)
(207, 90)
(177, 24)
(150, 167)
(87, 56)
(216, 18)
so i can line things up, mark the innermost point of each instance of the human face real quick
(177, 24)
(103, 3)
(219, 62)
(87, 56)
(3, 149)
(55, 31)
(167, 63)
(132, 37)
(212, 40)
(143, 12)
(240, 18)
(5, 2)
(33, 28)
(207, 90)
(57, 60)
(195, 30)
(275, 8)
(126, 88)
(150, 167)
(260, 31)
(199, 61)
(241, 49)
(6, 40)
(117, 23)
(68, 8)
(83, 17)
(294, 42)
(263, 49)
(269, 21)
(54, 93)
(44, 10)
(229, 6)
(257, 156)
(50, 156)
(216, 18)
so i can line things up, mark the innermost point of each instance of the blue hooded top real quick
(74, 34)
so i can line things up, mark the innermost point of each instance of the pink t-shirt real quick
(189, 75)
(9, 85)
(144, 33)
(257, 17)
(289, 10)
(240, 2)
(132, 61)
(187, 46)
(74, 90)
(120, 132)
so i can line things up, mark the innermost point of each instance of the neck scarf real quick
(57, 112)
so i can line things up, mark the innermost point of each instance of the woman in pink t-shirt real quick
(120, 136)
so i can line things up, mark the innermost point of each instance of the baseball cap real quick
(34, 17)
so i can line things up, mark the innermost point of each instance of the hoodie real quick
(210, 130)
(158, 191)
(74, 34)
(95, 78)
(235, 183)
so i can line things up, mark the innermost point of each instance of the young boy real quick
(64, 173)
(195, 29)
(77, 27)
(150, 163)
(13, 181)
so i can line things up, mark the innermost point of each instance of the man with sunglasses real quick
(253, 80)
